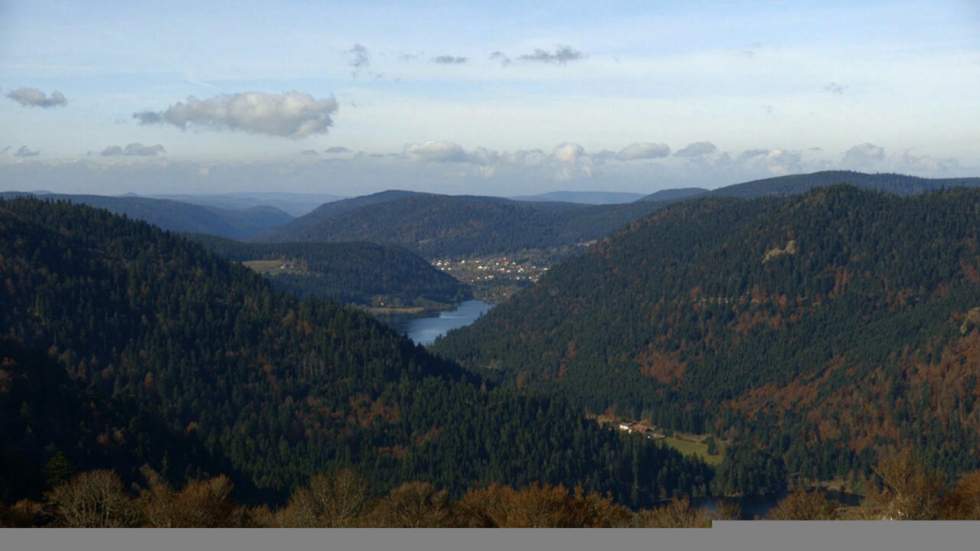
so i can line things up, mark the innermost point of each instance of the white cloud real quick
(32, 97)
(439, 152)
(572, 161)
(567, 160)
(926, 164)
(697, 149)
(568, 152)
(643, 150)
(290, 114)
(863, 155)
(780, 162)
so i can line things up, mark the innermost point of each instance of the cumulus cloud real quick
(568, 152)
(450, 152)
(696, 149)
(440, 152)
(643, 150)
(773, 162)
(863, 155)
(32, 97)
(925, 163)
(569, 161)
(290, 115)
(834, 88)
(135, 149)
(566, 161)
(528, 157)
(781, 161)
(561, 55)
(572, 161)
(449, 60)
(25, 151)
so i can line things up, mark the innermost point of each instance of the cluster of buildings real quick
(489, 269)
(641, 428)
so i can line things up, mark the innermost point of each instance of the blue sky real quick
(773, 87)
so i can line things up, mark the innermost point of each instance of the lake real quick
(425, 331)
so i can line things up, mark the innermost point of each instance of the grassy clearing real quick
(695, 447)
(263, 266)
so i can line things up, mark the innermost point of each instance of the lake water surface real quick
(425, 331)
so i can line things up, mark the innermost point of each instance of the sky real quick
(499, 98)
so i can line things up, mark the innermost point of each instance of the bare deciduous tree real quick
(94, 499)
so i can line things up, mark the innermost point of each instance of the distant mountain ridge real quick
(583, 197)
(435, 225)
(294, 204)
(678, 194)
(178, 216)
(795, 184)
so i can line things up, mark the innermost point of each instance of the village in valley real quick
(495, 278)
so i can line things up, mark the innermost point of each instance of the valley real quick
(737, 347)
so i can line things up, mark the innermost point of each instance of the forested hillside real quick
(795, 184)
(673, 195)
(360, 273)
(183, 217)
(458, 225)
(125, 345)
(812, 332)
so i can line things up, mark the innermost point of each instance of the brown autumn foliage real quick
(412, 505)
(677, 514)
(727, 509)
(963, 502)
(661, 366)
(199, 504)
(329, 500)
(23, 514)
(804, 505)
(94, 499)
(537, 506)
(909, 490)
(904, 489)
